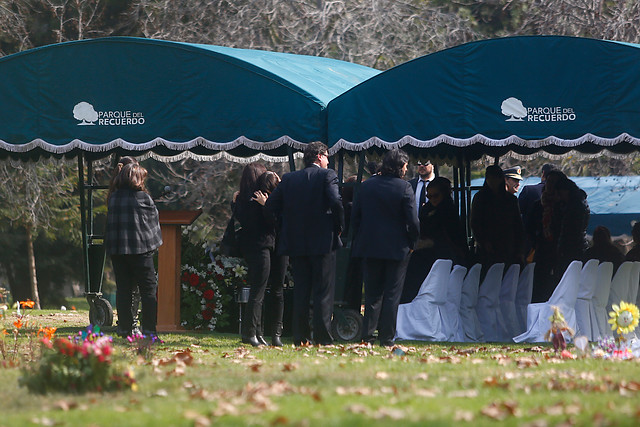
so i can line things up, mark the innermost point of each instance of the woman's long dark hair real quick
(116, 171)
(131, 176)
(267, 182)
(249, 179)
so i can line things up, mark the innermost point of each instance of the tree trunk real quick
(33, 281)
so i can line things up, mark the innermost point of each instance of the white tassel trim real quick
(483, 140)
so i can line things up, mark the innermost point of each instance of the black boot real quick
(277, 334)
(253, 340)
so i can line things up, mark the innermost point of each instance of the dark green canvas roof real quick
(135, 95)
(520, 94)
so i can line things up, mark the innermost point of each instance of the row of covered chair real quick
(585, 296)
(451, 305)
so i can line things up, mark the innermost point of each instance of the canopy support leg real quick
(292, 161)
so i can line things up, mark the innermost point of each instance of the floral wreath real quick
(206, 289)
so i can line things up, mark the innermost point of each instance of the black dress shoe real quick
(252, 340)
(276, 341)
(261, 340)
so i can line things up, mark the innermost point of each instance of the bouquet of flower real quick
(76, 364)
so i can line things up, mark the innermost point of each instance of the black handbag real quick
(230, 243)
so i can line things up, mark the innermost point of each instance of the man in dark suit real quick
(532, 193)
(309, 209)
(528, 197)
(420, 182)
(386, 227)
(419, 260)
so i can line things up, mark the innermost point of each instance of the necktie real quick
(423, 193)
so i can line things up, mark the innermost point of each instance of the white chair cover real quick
(619, 287)
(599, 314)
(470, 325)
(451, 326)
(584, 303)
(488, 300)
(422, 318)
(508, 319)
(564, 296)
(634, 281)
(523, 296)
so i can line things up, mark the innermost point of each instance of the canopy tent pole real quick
(340, 170)
(93, 251)
(292, 160)
(83, 222)
(457, 187)
(466, 178)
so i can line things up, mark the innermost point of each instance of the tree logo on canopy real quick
(517, 112)
(84, 112)
(513, 108)
(88, 116)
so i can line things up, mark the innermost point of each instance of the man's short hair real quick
(392, 163)
(311, 152)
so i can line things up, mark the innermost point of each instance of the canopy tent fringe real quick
(483, 140)
(150, 145)
(222, 155)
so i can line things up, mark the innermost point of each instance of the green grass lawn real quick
(203, 379)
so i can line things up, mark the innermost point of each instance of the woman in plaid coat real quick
(132, 237)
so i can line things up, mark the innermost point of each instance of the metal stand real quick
(241, 296)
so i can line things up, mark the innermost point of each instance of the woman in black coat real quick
(258, 241)
(440, 226)
(496, 222)
(441, 235)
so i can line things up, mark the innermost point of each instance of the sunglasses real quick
(428, 162)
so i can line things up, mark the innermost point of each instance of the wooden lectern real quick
(169, 255)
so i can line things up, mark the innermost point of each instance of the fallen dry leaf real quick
(461, 415)
(382, 375)
(393, 413)
(64, 405)
(279, 420)
(357, 408)
(463, 393)
(225, 408)
(424, 392)
(288, 367)
(494, 382)
(199, 420)
(501, 410)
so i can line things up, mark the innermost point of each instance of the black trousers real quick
(383, 283)
(314, 274)
(133, 271)
(265, 267)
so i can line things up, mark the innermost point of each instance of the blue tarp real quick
(520, 94)
(614, 200)
(134, 95)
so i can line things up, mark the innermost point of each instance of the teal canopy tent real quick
(520, 94)
(132, 95)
